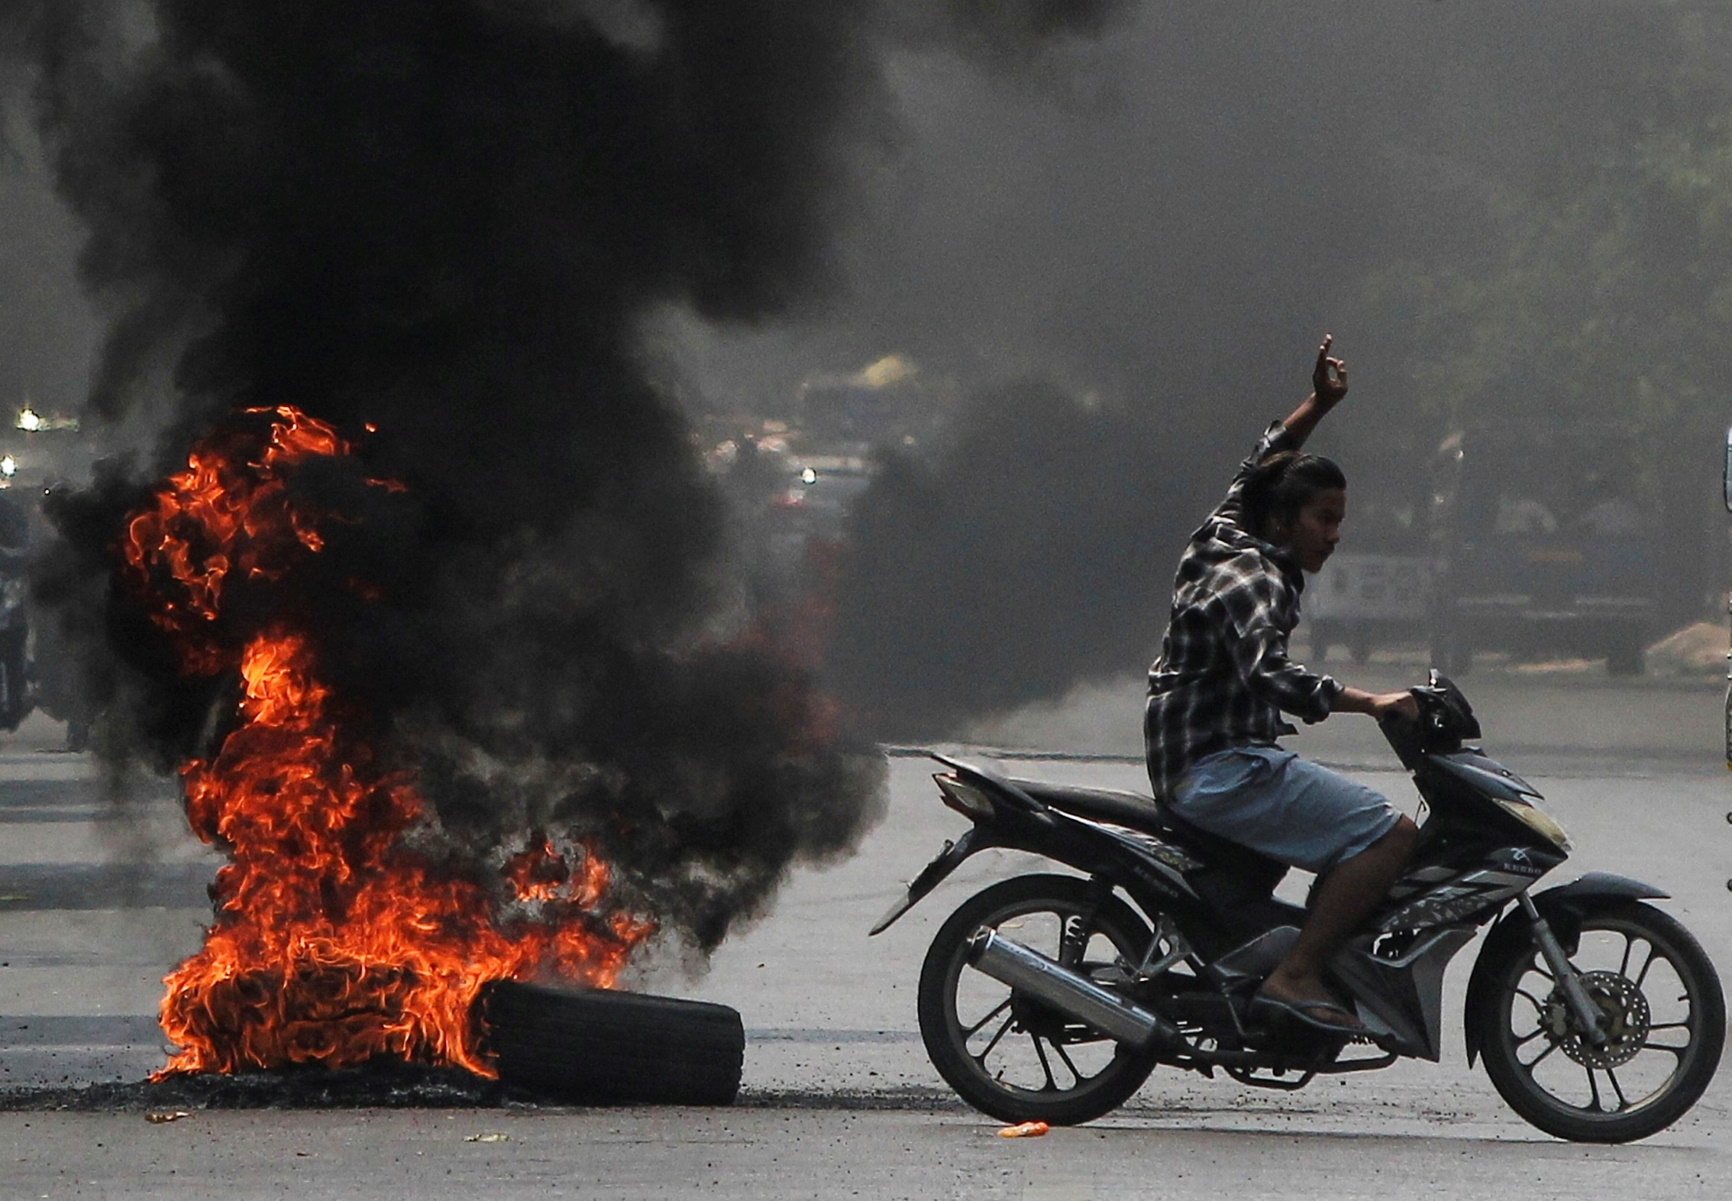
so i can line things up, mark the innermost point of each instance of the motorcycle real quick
(1053, 997)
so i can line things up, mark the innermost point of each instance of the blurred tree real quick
(1605, 315)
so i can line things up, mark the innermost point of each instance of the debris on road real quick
(1024, 1130)
(160, 1116)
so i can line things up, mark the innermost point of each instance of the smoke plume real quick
(1039, 517)
(436, 225)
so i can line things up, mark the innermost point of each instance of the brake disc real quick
(1624, 1017)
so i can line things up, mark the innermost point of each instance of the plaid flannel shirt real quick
(1223, 678)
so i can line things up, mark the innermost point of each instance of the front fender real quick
(1579, 895)
(1563, 908)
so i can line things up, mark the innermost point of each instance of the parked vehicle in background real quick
(1366, 601)
(1375, 594)
(820, 488)
(1538, 549)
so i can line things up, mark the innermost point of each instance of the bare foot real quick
(1310, 1001)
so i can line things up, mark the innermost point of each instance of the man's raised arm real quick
(1328, 386)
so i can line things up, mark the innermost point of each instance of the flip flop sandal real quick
(1301, 1012)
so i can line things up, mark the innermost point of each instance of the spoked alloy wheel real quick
(1006, 1054)
(1660, 1005)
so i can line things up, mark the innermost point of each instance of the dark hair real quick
(1285, 483)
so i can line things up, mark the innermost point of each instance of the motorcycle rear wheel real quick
(1662, 1007)
(1005, 1054)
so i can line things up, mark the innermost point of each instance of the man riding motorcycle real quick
(1223, 680)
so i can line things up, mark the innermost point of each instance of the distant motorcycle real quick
(1052, 997)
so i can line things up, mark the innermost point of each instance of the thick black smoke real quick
(1041, 518)
(444, 219)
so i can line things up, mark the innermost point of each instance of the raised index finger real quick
(1323, 350)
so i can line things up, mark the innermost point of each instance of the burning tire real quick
(598, 1047)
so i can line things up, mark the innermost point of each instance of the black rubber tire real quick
(1690, 978)
(1359, 646)
(1451, 654)
(598, 1047)
(1626, 657)
(1122, 1070)
(1323, 636)
(14, 680)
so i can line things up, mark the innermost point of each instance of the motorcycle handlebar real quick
(1445, 719)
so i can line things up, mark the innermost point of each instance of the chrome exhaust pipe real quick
(1071, 993)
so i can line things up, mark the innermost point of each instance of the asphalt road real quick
(98, 901)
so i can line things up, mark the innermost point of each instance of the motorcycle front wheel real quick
(1006, 1054)
(1661, 1008)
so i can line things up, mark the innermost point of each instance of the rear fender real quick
(933, 874)
(1139, 862)
(1021, 823)
(1563, 908)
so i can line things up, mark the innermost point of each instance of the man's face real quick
(1317, 528)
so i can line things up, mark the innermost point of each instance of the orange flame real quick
(333, 943)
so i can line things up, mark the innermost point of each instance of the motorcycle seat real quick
(1148, 815)
(1102, 804)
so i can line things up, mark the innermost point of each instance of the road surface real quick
(97, 902)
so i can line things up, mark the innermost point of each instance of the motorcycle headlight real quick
(1537, 820)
